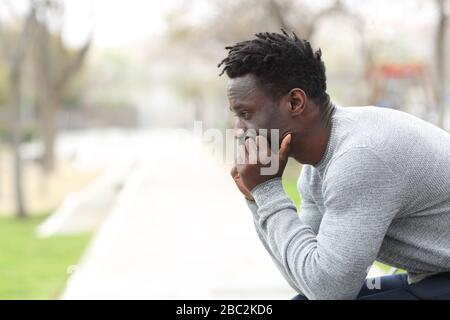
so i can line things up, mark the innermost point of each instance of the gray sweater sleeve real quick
(254, 209)
(309, 215)
(309, 212)
(362, 196)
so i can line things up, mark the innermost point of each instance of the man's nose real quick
(239, 125)
(239, 134)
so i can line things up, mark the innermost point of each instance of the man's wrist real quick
(267, 190)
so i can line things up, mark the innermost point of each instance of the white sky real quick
(117, 22)
(124, 22)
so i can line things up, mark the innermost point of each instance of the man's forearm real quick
(254, 209)
(329, 265)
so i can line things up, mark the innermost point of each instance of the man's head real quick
(276, 82)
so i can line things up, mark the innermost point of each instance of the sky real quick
(115, 22)
(123, 22)
(118, 23)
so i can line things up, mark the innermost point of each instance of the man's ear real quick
(296, 99)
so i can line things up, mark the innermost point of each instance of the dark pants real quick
(396, 287)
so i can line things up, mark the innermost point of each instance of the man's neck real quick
(309, 147)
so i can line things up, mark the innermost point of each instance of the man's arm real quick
(254, 208)
(361, 196)
(309, 212)
(309, 215)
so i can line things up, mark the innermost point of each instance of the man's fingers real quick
(240, 184)
(264, 151)
(241, 153)
(234, 172)
(239, 134)
(263, 145)
(252, 151)
(285, 147)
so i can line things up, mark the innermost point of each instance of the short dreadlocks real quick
(281, 61)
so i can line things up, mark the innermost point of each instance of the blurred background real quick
(107, 187)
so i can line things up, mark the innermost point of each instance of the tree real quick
(55, 65)
(14, 53)
(238, 20)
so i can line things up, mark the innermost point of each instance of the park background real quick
(105, 190)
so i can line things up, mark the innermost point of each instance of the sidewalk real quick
(179, 230)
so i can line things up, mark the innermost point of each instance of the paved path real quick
(179, 230)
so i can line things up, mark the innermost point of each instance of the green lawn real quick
(34, 268)
(290, 186)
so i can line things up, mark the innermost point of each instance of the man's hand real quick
(237, 179)
(249, 173)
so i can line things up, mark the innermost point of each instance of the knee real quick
(299, 297)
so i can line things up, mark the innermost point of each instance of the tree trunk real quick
(55, 65)
(49, 108)
(16, 139)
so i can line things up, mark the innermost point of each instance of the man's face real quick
(254, 107)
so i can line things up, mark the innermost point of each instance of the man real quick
(375, 183)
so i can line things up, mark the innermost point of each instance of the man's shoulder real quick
(360, 159)
(370, 114)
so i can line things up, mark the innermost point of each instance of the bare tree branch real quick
(14, 57)
(74, 64)
(5, 43)
(25, 37)
(279, 14)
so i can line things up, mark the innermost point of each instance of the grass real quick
(31, 267)
(290, 186)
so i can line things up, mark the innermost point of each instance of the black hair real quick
(282, 62)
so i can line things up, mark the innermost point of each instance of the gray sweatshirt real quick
(380, 192)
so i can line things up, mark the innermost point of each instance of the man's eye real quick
(244, 114)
